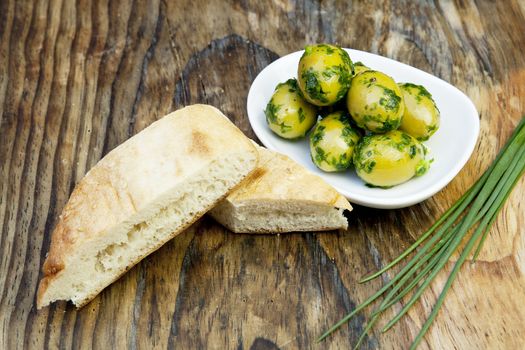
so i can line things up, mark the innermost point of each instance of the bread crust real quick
(278, 181)
(278, 178)
(136, 173)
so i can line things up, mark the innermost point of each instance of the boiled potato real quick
(389, 159)
(324, 74)
(332, 142)
(375, 102)
(287, 113)
(421, 118)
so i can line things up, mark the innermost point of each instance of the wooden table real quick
(78, 78)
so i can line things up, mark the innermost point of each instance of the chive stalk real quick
(473, 213)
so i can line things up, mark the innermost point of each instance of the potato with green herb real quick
(421, 117)
(375, 102)
(288, 114)
(332, 142)
(385, 160)
(324, 74)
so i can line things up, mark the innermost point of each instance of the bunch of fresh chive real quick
(473, 214)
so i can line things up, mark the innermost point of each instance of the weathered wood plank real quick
(78, 78)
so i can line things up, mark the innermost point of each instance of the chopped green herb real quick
(347, 61)
(388, 125)
(349, 135)
(284, 128)
(344, 77)
(406, 140)
(425, 149)
(392, 100)
(318, 134)
(422, 167)
(302, 117)
(343, 116)
(368, 166)
(412, 153)
(292, 84)
(340, 164)
(421, 90)
(312, 86)
(320, 155)
(431, 128)
(271, 112)
(329, 72)
(327, 48)
(308, 50)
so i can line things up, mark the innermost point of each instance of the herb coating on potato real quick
(385, 160)
(324, 74)
(375, 102)
(288, 114)
(333, 141)
(421, 118)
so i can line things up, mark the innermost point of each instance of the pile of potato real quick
(358, 116)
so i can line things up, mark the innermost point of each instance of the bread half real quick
(139, 196)
(282, 196)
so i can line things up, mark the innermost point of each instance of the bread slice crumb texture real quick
(282, 196)
(139, 196)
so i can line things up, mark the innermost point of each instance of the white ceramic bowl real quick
(451, 146)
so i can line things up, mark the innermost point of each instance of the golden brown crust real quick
(280, 178)
(256, 175)
(198, 143)
(135, 174)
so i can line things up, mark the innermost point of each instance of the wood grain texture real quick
(79, 77)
